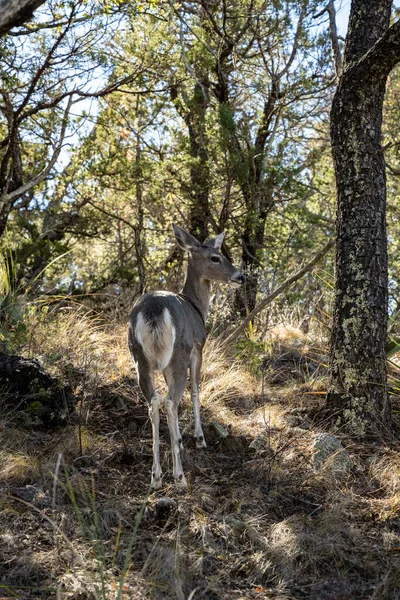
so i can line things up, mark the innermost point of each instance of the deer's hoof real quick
(181, 482)
(200, 441)
(156, 482)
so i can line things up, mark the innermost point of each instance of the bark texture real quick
(16, 12)
(200, 169)
(357, 390)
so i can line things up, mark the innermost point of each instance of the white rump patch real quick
(157, 342)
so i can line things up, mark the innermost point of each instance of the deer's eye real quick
(215, 259)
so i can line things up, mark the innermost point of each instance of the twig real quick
(337, 55)
(43, 174)
(56, 472)
(239, 330)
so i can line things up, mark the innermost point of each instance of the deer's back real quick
(161, 324)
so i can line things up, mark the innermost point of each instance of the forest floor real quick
(78, 521)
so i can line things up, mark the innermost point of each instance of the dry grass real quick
(18, 469)
(78, 345)
(226, 388)
(385, 470)
(256, 523)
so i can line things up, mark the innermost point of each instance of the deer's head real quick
(207, 261)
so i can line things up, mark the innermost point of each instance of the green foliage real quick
(226, 118)
(132, 174)
(130, 167)
(12, 305)
(252, 350)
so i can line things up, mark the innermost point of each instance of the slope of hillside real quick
(262, 518)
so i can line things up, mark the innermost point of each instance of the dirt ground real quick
(78, 521)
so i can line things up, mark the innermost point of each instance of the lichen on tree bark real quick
(357, 392)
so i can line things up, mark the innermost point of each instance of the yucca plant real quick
(12, 305)
(14, 302)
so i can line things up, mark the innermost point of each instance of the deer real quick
(167, 333)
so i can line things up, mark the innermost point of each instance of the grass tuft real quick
(18, 469)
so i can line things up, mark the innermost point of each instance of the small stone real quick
(299, 431)
(221, 431)
(296, 420)
(258, 443)
(164, 507)
(33, 494)
(329, 453)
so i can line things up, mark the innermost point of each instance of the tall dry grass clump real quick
(225, 383)
(385, 470)
(78, 345)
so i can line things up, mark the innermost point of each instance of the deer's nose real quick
(238, 278)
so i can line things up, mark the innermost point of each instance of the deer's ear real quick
(215, 242)
(185, 240)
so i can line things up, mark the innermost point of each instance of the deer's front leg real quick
(195, 368)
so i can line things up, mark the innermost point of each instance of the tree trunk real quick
(200, 170)
(252, 245)
(357, 391)
(16, 12)
(139, 228)
(193, 111)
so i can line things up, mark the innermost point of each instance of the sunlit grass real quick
(18, 469)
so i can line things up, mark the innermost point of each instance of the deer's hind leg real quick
(176, 375)
(146, 382)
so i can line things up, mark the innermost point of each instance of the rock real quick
(258, 444)
(164, 508)
(296, 420)
(298, 431)
(221, 431)
(328, 453)
(38, 399)
(33, 494)
(291, 365)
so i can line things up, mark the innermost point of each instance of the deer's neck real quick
(197, 290)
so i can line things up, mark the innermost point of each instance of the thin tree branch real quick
(286, 284)
(295, 45)
(337, 55)
(393, 170)
(322, 12)
(44, 66)
(108, 89)
(112, 215)
(183, 22)
(51, 25)
(43, 174)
